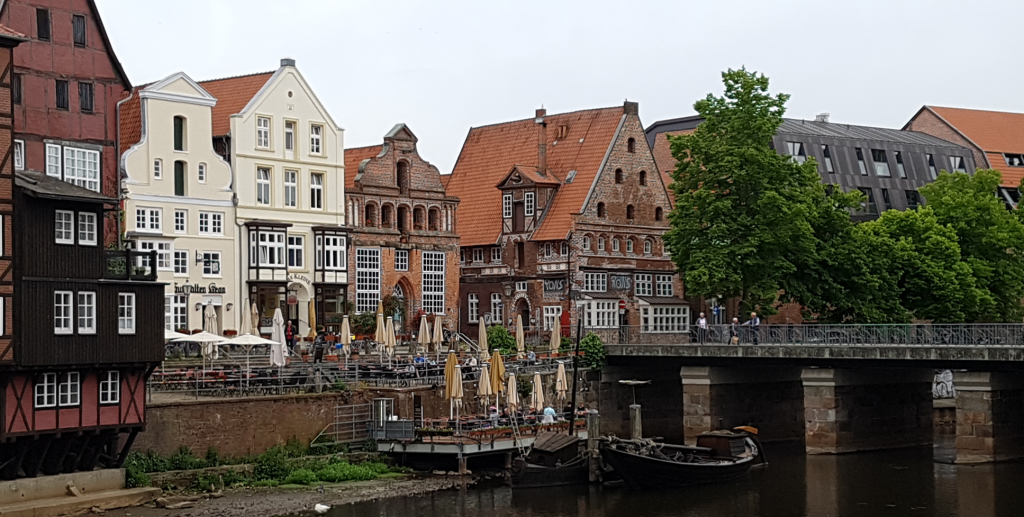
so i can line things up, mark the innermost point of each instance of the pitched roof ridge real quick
(243, 76)
(360, 148)
(975, 109)
(545, 116)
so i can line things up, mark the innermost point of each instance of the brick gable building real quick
(557, 204)
(403, 235)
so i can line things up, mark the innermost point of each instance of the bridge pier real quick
(847, 410)
(989, 416)
(769, 398)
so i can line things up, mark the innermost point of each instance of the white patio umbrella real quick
(438, 337)
(210, 325)
(277, 350)
(389, 339)
(424, 337)
(561, 385)
(246, 325)
(379, 335)
(457, 394)
(345, 338)
(208, 342)
(512, 393)
(483, 388)
(247, 341)
(556, 337)
(537, 397)
(170, 335)
(254, 315)
(482, 341)
(520, 339)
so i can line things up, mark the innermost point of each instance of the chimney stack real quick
(821, 117)
(542, 142)
(287, 62)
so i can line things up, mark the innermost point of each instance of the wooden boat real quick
(718, 456)
(555, 459)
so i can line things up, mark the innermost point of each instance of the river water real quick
(889, 483)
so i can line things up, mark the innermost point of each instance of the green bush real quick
(232, 478)
(266, 483)
(146, 462)
(212, 457)
(206, 483)
(338, 472)
(301, 477)
(295, 449)
(498, 337)
(592, 346)
(133, 478)
(566, 345)
(185, 460)
(271, 465)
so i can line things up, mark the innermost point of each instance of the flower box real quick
(230, 333)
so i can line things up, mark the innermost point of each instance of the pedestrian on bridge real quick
(702, 329)
(755, 327)
(734, 331)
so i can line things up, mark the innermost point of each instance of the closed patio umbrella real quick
(537, 397)
(246, 324)
(561, 385)
(210, 322)
(254, 315)
(438, 337)
(277, 351)
(497, 373)
(482, 341)
(450, 380)
(378, 335)
(556, 337)
(483, 388)
(520, 340)
(424, 336)
(390, 343)
(312, 320)
(512, 397)
(345, 338)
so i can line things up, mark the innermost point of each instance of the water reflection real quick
(890, 483)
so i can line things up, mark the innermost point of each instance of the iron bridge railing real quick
(967, 335)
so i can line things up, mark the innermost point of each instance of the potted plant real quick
(230, 333)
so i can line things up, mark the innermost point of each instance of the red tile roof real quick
(355, 156)
(444, 180)
(129, 117)
(996, 132)
(490, 152)
(11, 33)
(663, 154)
(232, 94)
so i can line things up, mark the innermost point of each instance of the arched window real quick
(648, 247)
(658, 213)
(180, 183)
(370, 215)
(417, 218)
(434, 219)
(643, 177)
(615, 245)
(600, 210)
(180, 133)
(402, 178)
(629, 245)
(631, 145)
(586, 242)
(600, 244)
(386, 219)
(618, 176)
(403, 218)
(630, 212)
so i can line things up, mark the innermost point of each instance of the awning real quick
(662, 300)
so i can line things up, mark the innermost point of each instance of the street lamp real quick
(188, 291)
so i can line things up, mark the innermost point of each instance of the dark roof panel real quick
(43, 186)
(833, 130)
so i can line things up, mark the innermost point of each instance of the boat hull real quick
(528, 475)
(645, 473)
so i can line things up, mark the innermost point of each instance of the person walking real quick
(702, 329)
(319, 343)
(734, 331)
(755, 327)
(289, 337)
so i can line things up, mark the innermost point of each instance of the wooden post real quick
(593, 432)
(635, 426)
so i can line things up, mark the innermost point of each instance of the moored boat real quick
(555, 459)
(718, 456)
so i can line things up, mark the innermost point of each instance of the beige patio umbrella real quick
(512, 397)
(424, 335)
(561, 385)
(346, 336)
(246, 325)
(537, 397)
(438, 338)
(450, 381)
(312, 320)
(277, 350)
(556, 337)
(482, 341)
(497, 373)
(483, 388)
(210, 324)
(520, 340)
(379, 335)
(254, 315)
(389, 338)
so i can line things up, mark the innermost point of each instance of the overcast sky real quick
(445, 66)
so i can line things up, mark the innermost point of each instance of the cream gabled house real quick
(288, 158)
(178, 199)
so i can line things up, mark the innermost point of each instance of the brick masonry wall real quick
(927, 122)
(238, 427)
(864, 417)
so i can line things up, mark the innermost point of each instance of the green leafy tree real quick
(499, 337)
(991, 239)
(593, 350)
(741, 212)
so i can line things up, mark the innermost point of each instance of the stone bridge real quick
(839, 388)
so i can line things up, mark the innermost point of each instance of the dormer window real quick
(957, 164)
(797, 152)
(529, 203)
(506, 205)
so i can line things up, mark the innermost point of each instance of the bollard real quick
(593, 433)
(635, 426)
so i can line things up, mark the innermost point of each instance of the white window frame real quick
(522, 286)
(595, 282)
(506, 205)
(180, 221)
(552, 316)
(629, 245)
(600, 313)
(175, 311)
(495, 255)
(497, 315)
(316, 191)
(64, 227)
(19, 155)
(797, 152)
(663, 286)
(82, 168)
(565, 249)
(86, 311)
(264, 194)
(289, 135)
(180, 262)
(648, 247)
(164, 253)
(87, 229)
(209, 258)
(955, 163)
(53, 161)
(201, 172)
(158, 169)
(600, 244)
(148, 219)
(401, 260)
(549, 250)
(368, 279)
(473, 302)
(529, 204)
(63, 312)
(433, 287)
(110, 387)
(69, 391)
(45, 390)
(296, 251)
(263, 132)
(291, 188)
(478, 254)
(316, 140)
(615, 245)
(268, 249)
(643, 284)
(586, 243)
(660, 319)
(211, 223)
(332, 249)
(125, 313)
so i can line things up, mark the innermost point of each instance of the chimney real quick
(631, 108)
(542, 142)
(821, 117)
(287, 62)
